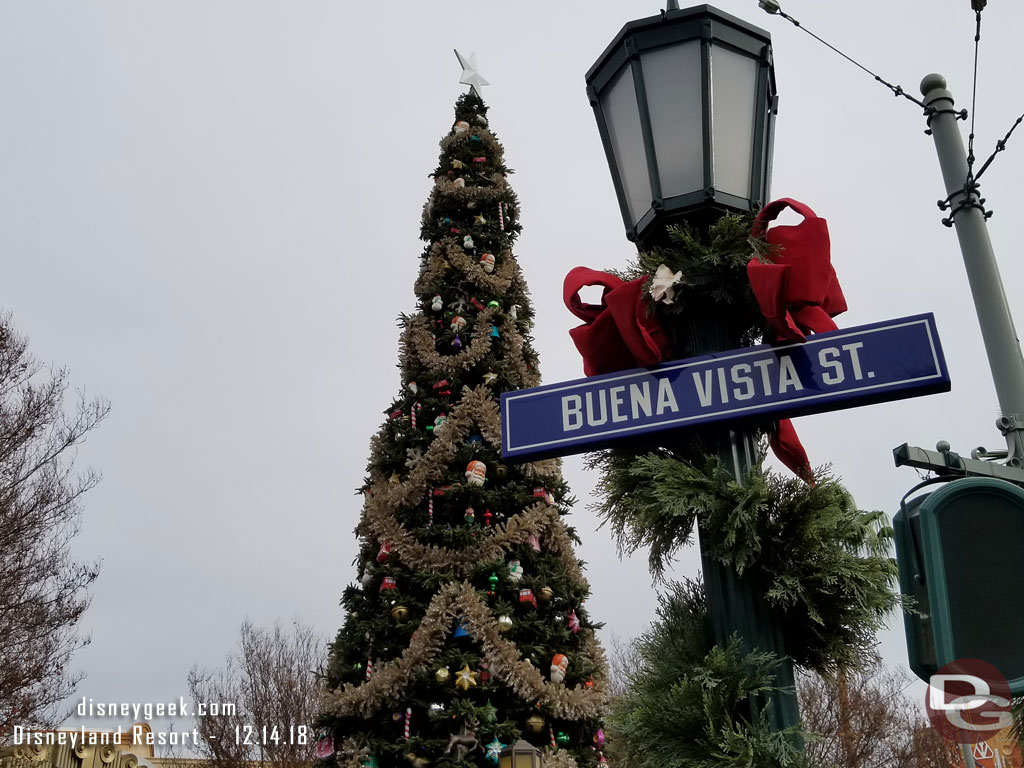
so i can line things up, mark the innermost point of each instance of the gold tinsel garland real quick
(447, 254)
(459, 601)
(476, 409)
(539, 519)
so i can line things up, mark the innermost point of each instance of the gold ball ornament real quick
(545, 594)
(535, 723)
(465, 678)
(399, 613)
(504, 623)
(442, 675)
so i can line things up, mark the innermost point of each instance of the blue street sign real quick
(841, 369)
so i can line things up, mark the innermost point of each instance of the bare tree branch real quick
(43, 590)
(273, 680)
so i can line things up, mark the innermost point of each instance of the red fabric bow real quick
(798, 293)
(619, 332)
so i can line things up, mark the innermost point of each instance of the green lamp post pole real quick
(685, 105)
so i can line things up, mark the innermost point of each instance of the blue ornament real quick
(474, 440)
(495, 334)
(460, 631)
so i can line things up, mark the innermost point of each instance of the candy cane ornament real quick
(501, 216)
(430, 507)
(416, 407)
(551, 733)
(408, 720)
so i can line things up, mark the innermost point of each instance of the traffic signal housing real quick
(960, 552)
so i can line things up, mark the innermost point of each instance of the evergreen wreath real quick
(822, 564)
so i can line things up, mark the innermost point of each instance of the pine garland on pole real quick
(467, 629)
(818, 571)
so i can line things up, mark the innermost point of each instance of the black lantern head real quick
(685, 103)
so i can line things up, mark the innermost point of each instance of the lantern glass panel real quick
(524, 760)
(733, 95)
(672, 80)
(622, 116)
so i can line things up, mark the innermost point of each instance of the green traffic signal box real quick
(960, 552)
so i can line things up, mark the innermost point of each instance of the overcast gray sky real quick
(210, 212)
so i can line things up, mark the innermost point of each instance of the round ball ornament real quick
(324, 747)
(545, 594)
(501, 471)
(442, 675)
(534, 723)
(504, 623)
(399, 613)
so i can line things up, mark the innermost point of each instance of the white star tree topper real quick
(470, 76)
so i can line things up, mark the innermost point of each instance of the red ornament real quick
(395, 414)
(479, 159)
(388, 583)
(477, 304)
(589, 683)
(385, 551)
(540, 492)
(443, 388)
(526, 596)
(488, 517)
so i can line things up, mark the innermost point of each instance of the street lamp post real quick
(685, 104)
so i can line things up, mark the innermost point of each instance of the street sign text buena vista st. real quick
(840, 369)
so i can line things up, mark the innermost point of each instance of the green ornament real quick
(562, 739)
(371, 762)
(489, 713)
(493, 305)
(357, 666)
(493, 580)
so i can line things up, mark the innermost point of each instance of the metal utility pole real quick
(967, 215)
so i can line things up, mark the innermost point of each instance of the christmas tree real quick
(467, 630)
